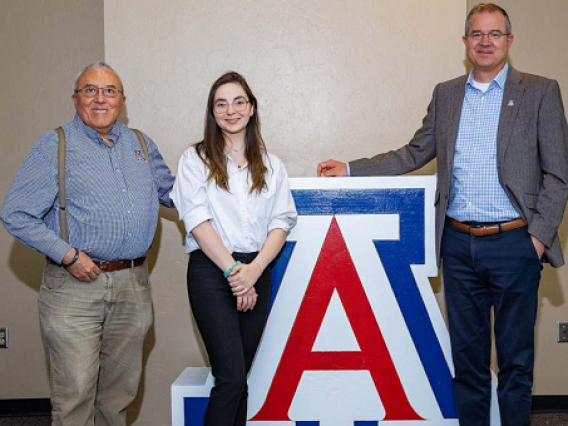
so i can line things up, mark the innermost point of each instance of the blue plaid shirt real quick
(113, 194)
(475, 192)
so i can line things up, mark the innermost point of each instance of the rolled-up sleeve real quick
(284, 215)
(189, 192)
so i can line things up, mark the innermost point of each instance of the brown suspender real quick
(61, 166)
(61, 163)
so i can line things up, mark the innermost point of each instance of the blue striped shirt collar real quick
(113, 135)
(499, 79)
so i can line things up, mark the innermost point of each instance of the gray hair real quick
(491, 8)
(95, 66)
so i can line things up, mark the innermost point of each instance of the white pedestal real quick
(195, 383)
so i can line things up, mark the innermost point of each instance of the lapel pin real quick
(511, 103)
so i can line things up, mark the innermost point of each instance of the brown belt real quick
(481, 231)
(112, 265)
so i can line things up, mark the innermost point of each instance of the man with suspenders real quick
(92, 211)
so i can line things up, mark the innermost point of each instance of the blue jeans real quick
(500, 271)
(93, 335)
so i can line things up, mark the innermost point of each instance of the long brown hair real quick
(211, 149)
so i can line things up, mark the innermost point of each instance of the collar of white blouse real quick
(238, 163)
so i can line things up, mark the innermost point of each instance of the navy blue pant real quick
(230, 337)
(500, 271)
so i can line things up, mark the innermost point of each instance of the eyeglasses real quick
(494, 35)
(90, 91)
(239, 104)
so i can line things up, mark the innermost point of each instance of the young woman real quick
(235, 202)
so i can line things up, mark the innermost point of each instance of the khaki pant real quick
(93, 335)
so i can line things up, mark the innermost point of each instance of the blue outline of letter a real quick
(397, 258)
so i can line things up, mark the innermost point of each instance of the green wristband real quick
(230, 270)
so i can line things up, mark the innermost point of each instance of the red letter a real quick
(334, 270)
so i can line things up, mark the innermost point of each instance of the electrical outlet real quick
(3, 338)
(563, 332)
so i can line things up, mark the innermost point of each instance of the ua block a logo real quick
(355, 336)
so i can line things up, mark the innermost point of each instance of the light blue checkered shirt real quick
(475, 192)
(113, 194)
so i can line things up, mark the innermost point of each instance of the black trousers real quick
(230, 337)
(500, 270)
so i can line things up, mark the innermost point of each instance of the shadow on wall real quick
(550, 282)
(171, 215)
(27, 265)
(550, 288)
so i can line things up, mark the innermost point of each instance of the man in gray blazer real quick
(501, 140)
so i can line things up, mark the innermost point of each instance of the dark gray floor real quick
(550, 419)
(25, 421)
(541, 419)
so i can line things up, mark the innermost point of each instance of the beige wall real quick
(44, 44)
(334, 79)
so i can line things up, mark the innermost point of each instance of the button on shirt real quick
(475, 192)
(112, 194)
(241, 219)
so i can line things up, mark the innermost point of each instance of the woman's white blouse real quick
(242, 220)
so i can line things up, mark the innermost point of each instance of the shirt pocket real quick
(264, 203)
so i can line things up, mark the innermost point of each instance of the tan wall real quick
(44, 44)
(334, 79)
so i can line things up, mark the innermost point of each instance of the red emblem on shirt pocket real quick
(139, 155)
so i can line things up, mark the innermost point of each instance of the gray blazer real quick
(532, 151)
